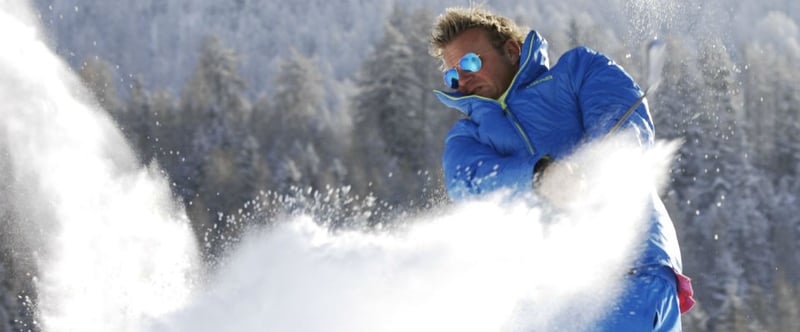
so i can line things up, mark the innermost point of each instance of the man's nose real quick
(464, 77)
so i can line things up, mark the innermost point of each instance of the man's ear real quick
(512, 50)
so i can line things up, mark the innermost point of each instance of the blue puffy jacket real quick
(547, 112)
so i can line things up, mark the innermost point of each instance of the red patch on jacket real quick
(685, 292)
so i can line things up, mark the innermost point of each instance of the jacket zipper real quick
(507, 112)
(513, 120)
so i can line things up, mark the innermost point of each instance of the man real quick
(521, 115)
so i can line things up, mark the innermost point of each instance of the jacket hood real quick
(534, 62)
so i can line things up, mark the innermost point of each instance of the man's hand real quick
(561, 183)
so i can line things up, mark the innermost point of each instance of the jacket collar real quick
(534, 62)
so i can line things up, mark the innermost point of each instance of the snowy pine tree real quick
(213, 114)
(385, 120)
(297, 135)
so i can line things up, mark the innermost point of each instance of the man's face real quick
(497, 70)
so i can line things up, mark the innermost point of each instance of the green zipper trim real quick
(521, 131)
(502, 98)
(507, 111)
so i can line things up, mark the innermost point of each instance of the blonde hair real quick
(456, 20)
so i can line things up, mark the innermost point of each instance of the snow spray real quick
(116, 254)
(111, 247)
(489, 265)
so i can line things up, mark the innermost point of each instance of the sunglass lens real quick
(451, 78)
(470, 62)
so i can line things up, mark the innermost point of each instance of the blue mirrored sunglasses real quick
(470, 62)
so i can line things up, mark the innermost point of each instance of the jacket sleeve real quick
(605, 92)
(472, 168)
